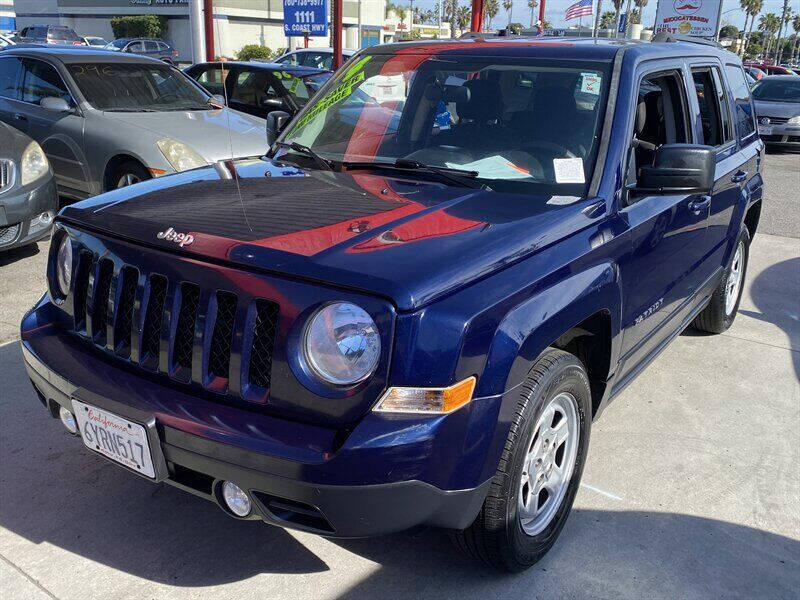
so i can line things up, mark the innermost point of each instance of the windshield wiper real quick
(131, 110)
(459, 177)
(300, 149)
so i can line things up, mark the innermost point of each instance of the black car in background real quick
(145, 47)
(259, 88)
(49, 34)
(28, 199)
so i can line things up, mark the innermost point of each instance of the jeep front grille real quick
(133, 316)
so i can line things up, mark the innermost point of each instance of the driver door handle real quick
(739, 177)
(697, 206)
(20, 117)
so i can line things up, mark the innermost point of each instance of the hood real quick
(405, 240)
(785, 110)
(14, 142)
(210, 132)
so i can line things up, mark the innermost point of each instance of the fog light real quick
(236, 499)
(40, 222)
(68, 419)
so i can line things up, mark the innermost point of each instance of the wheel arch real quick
(113, 163)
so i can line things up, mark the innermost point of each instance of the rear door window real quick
(41, 80)
(213, 79)
(135, 47)
(150, 47)
(9, 72)
(714, 113)
(743, 107)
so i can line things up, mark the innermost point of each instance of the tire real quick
(129, 170)
(721, 310)
(501, 535)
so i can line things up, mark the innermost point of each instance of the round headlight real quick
(342, 344)
(64, 265)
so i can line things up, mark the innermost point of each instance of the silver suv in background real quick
(145, 47)
(50, 34)
(107, 120)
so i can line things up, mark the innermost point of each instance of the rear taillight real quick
(174, 53)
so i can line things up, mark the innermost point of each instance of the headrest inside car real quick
(456, 93)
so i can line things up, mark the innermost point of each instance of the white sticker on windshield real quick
(590, 83)
(568, 170)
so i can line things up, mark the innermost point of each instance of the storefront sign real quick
(305, 17)
(688, 17)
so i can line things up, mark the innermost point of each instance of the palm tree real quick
(786, 16)
(769, 24)
(607, 19)
(617, 12)
(508, 5)
(463, 17)
(532, 4)
(490, 10)
(754, 8)
(640, 4)
(745, 5)
(451, 14)
(796, 27)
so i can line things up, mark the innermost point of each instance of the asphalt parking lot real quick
(691, 490)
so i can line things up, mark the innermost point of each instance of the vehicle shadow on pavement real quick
(601, 553)
(769, 291)
(12, 256)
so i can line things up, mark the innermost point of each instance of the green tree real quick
(463, 17)
(490, 10)
(635, 17)
(139, 26)
(533, 5)
(786, 16)
(769, 24)
(729, 31)
(508, 6)
(254, 51)
(607, 19)
(796, 27)
(753, 8)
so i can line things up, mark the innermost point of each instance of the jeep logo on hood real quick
(170, 235)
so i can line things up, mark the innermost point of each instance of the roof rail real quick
(665, 37)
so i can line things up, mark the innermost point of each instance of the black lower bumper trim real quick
(199, 466)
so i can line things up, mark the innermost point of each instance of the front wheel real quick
(129, 173)
(540, 469)
(723, 306)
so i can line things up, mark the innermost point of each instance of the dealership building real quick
(236, 22)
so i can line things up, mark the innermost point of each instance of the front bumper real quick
(291, 470)
(783, 134)
(19, 206)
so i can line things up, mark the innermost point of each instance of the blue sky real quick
(556, 9)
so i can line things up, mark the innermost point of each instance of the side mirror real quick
(679, 169)
(55, 104)
(276, 121)
(219, 99)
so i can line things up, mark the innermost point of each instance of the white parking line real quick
(601, 492)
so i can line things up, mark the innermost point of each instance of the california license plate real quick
(764, 130)
(116, 438)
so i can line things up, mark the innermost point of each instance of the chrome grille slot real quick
(183, 342)
(100, 301)
(219, 351)
(151, 332)
(124, 311)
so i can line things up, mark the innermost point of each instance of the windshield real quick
(524, 125)
(65, 35)
(778, 90)
(137, 87)
(117, 44)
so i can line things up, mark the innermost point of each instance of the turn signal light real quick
(427, 400)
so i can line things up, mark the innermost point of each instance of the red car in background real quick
(770, 69)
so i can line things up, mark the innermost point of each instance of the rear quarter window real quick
(743, 117)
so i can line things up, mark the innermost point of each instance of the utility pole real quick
(597, 18)
(208, 20)
(359, 26)
(337, 33)
(196, 26)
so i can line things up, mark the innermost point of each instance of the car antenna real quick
(231, 165)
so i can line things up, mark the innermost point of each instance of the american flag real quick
(582, 8)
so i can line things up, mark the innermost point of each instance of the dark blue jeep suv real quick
(410, 311)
